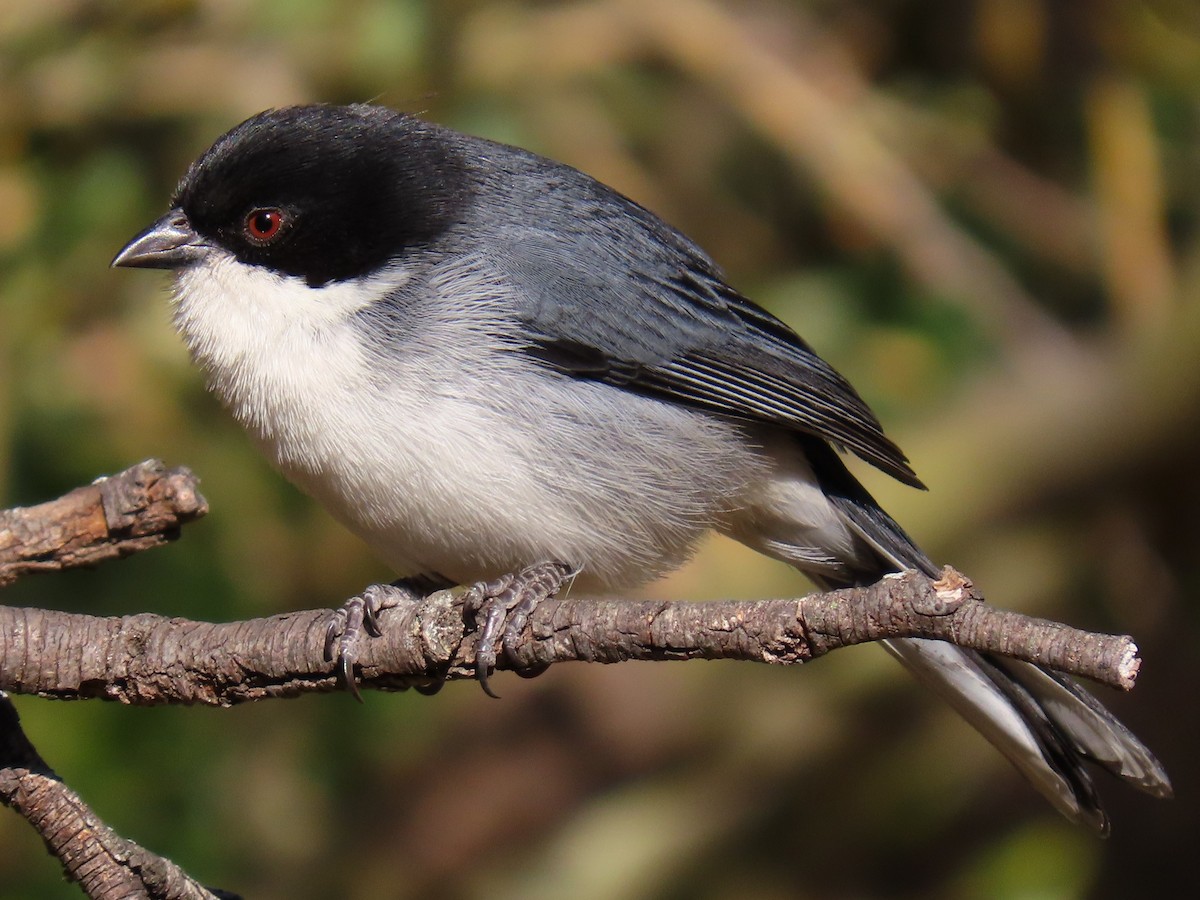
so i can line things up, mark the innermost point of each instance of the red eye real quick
(262, 225)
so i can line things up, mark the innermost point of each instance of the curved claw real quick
(360, 613)
(482, 674)
(485, 643)
(346, 674)
(334, 630)
(371, 619)
(374, 601)
(502, 609)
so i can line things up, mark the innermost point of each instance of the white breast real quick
(457, 457)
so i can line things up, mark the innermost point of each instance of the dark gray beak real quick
(170, 243)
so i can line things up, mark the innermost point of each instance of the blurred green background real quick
(986, 214)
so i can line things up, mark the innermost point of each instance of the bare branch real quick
(137, 509)
(148, 659)
(106, 865)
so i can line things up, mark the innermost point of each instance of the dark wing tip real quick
(895, 464)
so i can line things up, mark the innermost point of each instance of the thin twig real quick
(106, 865)
(134, 510)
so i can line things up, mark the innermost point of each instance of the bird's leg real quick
(502, 607)
(347, 623)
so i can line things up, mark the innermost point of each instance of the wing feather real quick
(664, 323)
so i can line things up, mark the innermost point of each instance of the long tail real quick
(1047, 725)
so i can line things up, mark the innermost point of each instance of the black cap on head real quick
(327, 193)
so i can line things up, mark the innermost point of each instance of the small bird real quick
(484, 362)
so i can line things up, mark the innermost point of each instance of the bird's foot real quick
(361, 613)
(502, 607)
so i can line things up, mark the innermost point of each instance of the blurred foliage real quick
(986, 214)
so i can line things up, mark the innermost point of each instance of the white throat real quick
(282, 356)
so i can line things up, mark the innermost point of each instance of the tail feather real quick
(1047, 726)
(1096, 734)
(1011, 719)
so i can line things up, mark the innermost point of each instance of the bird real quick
(485, 362)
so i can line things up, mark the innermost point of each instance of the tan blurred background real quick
(984, 213)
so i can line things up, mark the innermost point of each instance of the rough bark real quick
(106, 865)
(146, 659)
(137, 509)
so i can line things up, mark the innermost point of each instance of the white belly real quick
(466, 461)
